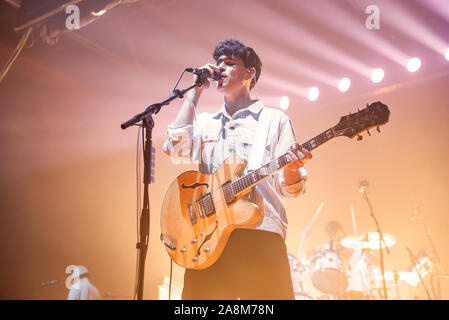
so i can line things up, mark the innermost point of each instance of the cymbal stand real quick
(381, 239)
(416, 263)
(396, 282)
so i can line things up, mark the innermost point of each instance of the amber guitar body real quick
(193, 236)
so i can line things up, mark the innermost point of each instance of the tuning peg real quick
(359, 137)
(379, 129)
(369, 133)
(358, 108)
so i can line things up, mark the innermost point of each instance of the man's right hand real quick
(210, 67)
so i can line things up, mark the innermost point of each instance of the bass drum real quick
(328, 274)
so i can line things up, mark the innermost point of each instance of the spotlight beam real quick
(286, 86)
(410, 26)
(352, 29)
(315, 45)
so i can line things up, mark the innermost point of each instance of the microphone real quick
(204, 73)
(46, 283)
(363, 185)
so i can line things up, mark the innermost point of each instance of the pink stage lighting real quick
(314, 93)
(344, 84)
(377, 75)
(413, 64)
(284, 103)
(447, 54)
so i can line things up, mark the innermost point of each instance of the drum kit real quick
(344, 270)
(348, 267)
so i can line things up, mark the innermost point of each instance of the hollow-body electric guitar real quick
(200, 210)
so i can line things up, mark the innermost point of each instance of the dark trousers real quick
(253, 266)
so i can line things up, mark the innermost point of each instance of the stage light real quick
(99, 13)
(344, 84)
(314, 93)
(284, 103)
(447, 54)
(413, 64)
(377, 75)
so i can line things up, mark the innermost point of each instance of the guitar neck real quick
(254, 177)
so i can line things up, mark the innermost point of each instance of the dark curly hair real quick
(236, 48)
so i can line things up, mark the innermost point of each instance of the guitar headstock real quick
(374, 115)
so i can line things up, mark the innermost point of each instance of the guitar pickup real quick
(228, 192)
(206, 205)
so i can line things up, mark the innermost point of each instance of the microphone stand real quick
(148, 124)
(416, 263)
(381, 239)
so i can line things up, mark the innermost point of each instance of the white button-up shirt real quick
(212, 138)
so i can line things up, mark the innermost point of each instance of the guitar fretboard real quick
(254, 177)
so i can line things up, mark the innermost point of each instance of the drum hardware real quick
(367, 240)
(363, 186)
(435, 258)
(418, 272)
(346, 268)
(297, 270)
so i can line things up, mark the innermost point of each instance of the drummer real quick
(335, 233)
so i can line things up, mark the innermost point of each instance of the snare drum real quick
(328, 274)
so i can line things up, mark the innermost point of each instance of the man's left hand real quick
(297, 158)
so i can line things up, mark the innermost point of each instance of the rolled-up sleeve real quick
(179, 141)
(292, 190)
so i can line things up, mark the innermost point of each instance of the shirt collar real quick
(253, 108)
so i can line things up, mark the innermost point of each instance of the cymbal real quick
(367, 240)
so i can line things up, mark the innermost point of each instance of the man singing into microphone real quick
(254, 263)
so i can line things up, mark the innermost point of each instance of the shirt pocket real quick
(245, 144)
(209, 143)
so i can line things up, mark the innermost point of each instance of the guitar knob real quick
(183, 250)
(379, 129)
(195, 240)
(359, 137)
(207, 249)
(195, 259)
